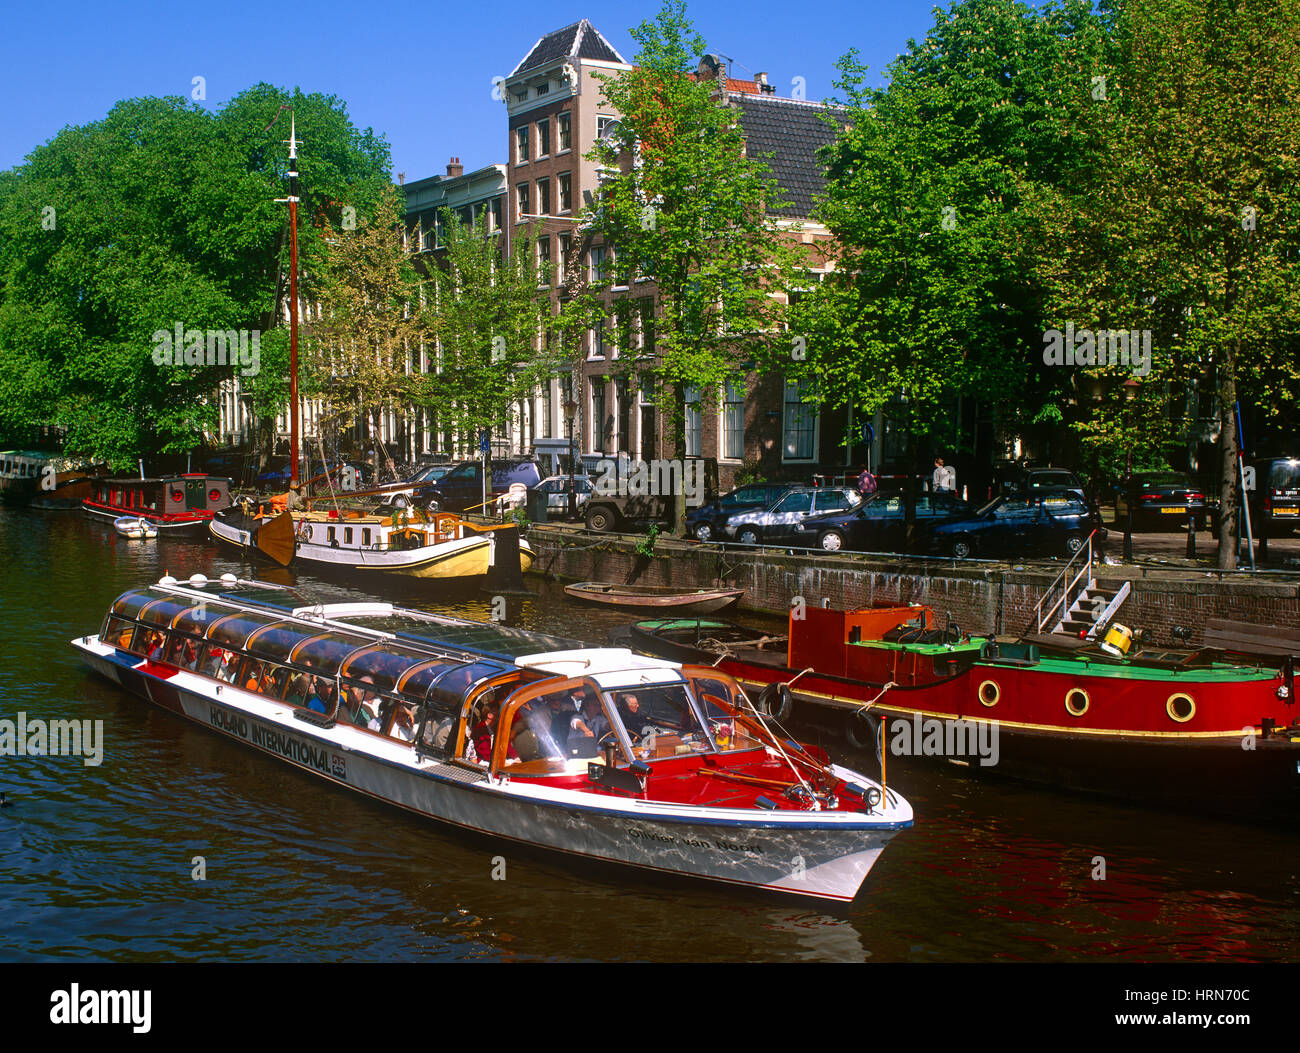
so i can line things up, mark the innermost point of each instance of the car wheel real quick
(704, 532)
(832, 541)
(748, 536)
(1072, 544)
(961, 548)
(600, 519)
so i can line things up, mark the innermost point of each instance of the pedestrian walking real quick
(866, 482)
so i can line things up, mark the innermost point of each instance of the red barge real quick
(175, 504)
(1168, 726)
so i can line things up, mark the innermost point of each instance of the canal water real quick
(98, 862)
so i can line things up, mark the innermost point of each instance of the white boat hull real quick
(825, 855)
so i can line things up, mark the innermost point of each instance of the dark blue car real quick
(880, 523)
(706, 522)
(1053, 522)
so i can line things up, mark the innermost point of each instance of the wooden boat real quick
(661, 597)
(136, 528)
(474, 725)
(175, 504)
(1172, 726)
(408, 543)
(27, 475)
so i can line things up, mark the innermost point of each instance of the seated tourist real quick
(587, 729)
(403, 726)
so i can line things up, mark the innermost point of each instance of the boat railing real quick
(1084, 557)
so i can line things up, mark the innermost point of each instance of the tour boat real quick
(27, 474)
(662, 597)
(406, 542)
(135, 527)
(595, 752)
(1214, 728)
(175, 504)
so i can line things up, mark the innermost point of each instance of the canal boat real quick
(597, 753)
(27, 474)
(1214, 728)
(135, 528)
(177, 505)
(405, 541)
(659, 597)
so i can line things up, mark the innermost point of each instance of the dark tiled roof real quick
(791, 131)
(580, 41)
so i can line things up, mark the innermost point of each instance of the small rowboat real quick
(135, 528)
(657, 597)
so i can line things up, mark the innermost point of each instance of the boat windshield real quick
(661, 720)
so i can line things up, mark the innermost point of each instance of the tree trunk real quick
(1228, 525)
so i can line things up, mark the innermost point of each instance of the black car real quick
(1275, 498)
(461, 489)
(880, 523)
(706, 522)
(1162, 499)
(1041, 522)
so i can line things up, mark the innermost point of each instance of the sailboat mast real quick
(293, 302)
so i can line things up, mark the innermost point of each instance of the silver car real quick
(776, 525)
(556, 488)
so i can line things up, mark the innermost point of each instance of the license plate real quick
(1285, 511)
(1174, 511)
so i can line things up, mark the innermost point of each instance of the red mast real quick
(293, 302)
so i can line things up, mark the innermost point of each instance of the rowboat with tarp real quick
(597, 753)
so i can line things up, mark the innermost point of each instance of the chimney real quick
(761, 77)
(455, 168)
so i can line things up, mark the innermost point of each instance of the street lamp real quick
(571, 414)
(1130, 392)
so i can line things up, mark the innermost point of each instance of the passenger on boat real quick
(588, 729)
(253, 676)
(212, 662)
(357, 702)
(155, 647)
(532, 736)
(403, 722)
(634, 720)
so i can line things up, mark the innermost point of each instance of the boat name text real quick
(278, 742)
(692, 842)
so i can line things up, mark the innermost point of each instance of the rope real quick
(867, 705)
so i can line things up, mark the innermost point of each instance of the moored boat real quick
(658, 597)
(175, 504)
(1210, 728)
(135, 528)
(408, 542)
(594, 752)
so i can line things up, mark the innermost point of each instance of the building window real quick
(494, 214)
(566, 191)
(562, 257)
(597, 265)
(605, 125)
(521, 144)
(562, 126)
(645, 325)
(733, 421)
(599, 341)
(597, 415)
(543, 197)
(546, 409)
(543, 137)
(521, 95)
(523, 210)
(799, 434)
(694, 422)
(544, 259)
(544, 89)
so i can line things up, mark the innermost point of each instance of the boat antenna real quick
(292, 201)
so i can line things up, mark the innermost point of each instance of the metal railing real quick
(1063, 604)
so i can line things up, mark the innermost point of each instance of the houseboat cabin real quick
(174, 504)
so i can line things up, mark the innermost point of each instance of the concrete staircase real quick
(1092, 611)
(1078, 606)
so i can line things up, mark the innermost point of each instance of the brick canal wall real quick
(979, 598)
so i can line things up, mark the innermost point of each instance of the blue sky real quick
(418, 74)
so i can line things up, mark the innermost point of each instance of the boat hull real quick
(805, 854)
(685, 602)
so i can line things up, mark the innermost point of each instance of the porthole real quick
(1180, 707)
(989, 693)
(1076, 701)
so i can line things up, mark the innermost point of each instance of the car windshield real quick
(1163, 479)
(1284, 475)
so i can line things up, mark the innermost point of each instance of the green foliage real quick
(646, 546)
(160, 213)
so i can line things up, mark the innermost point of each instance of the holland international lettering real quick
(76, 1006)
(302, 752)
(230, 722)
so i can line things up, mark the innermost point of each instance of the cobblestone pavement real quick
(1283, 553)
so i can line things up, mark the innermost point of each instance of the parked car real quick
(461, 489)
(879, 524)
(1040, 522)
(707, 522)
(1162, 498)
(556, 488)
(776, 524)
(1051, 479)
(1275, 500)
